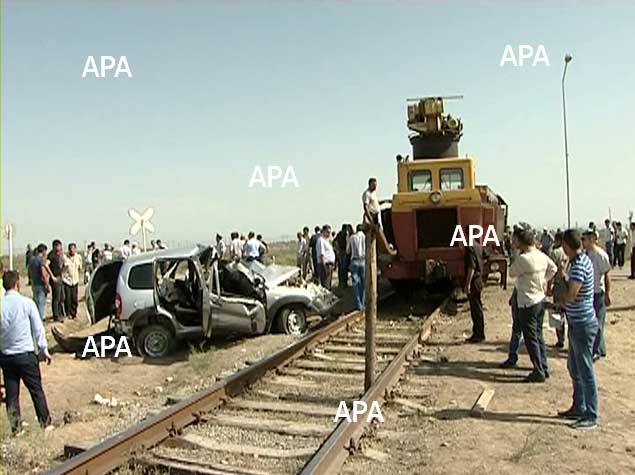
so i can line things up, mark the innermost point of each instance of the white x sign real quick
(141, 222)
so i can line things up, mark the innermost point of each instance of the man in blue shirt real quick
(583, 327)
(20, 325)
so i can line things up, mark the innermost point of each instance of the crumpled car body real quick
(159, 297)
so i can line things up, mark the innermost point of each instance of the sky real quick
(219, 88)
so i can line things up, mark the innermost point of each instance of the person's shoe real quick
(507, 364)
(546, 374)
(584, 424)
(569, 414)
(631, 277)
(475, 339)
(534, 377)
(49, 428)
(596, 357)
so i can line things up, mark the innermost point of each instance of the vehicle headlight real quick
(494, 267)
(435, 197)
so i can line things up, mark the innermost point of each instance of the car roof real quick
(183, 252)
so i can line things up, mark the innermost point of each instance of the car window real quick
(421, 180)
(451, 179)
(140, 277)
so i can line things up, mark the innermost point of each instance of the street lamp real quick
(567, 60)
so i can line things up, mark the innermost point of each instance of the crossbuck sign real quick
(141, 223)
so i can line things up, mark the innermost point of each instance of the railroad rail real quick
(232, 413)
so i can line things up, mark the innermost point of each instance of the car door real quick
(233, 313)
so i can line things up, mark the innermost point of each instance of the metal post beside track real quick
(371, 306)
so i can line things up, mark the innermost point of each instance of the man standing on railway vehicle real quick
(532, 270)
(583, 327)
(473, 260)
(21, 325)
(55, 264)
(326, 257)
(601, 288)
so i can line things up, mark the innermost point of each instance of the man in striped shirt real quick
(583, 327)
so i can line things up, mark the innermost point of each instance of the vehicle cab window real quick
(420, 180)
(451, 179)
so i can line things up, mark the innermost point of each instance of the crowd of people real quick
(568, 274)
(58, 272)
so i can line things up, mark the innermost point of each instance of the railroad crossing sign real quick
(9, 232)
(141, 223)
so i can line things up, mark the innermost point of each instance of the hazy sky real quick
(219, 88)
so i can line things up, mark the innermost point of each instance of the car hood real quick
(273, 274)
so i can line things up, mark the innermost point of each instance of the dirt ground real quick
(519, 433)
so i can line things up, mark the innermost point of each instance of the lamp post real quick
(567, 60)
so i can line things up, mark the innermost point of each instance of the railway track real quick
(275, 416)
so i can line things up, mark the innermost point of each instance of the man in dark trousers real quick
(56, 264)
(473, 288)
(20, 326)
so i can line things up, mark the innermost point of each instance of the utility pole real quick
(567, 60)
(371, 305)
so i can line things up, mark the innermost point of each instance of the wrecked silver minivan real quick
(159, 298)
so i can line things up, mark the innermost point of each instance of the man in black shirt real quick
(56, 262)
(314, 257)
(473, 289)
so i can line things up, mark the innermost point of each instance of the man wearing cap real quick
(601, 288)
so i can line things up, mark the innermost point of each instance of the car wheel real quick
(292, 320)
(155, 341)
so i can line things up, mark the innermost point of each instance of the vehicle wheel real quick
(292, 320)
(155, 341)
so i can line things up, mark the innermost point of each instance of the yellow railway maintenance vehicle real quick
(436, 191)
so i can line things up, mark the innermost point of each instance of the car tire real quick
(292, 320)
(155, 341)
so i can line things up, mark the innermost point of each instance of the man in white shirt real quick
(357, 249)
(126, 250)
(71, 272)
(253, 247)
(326, 257)
(621, 236)
(235, 247)
(371, 203)
(607, 238)
(601, 288)
(372, 213)
(533, 270)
